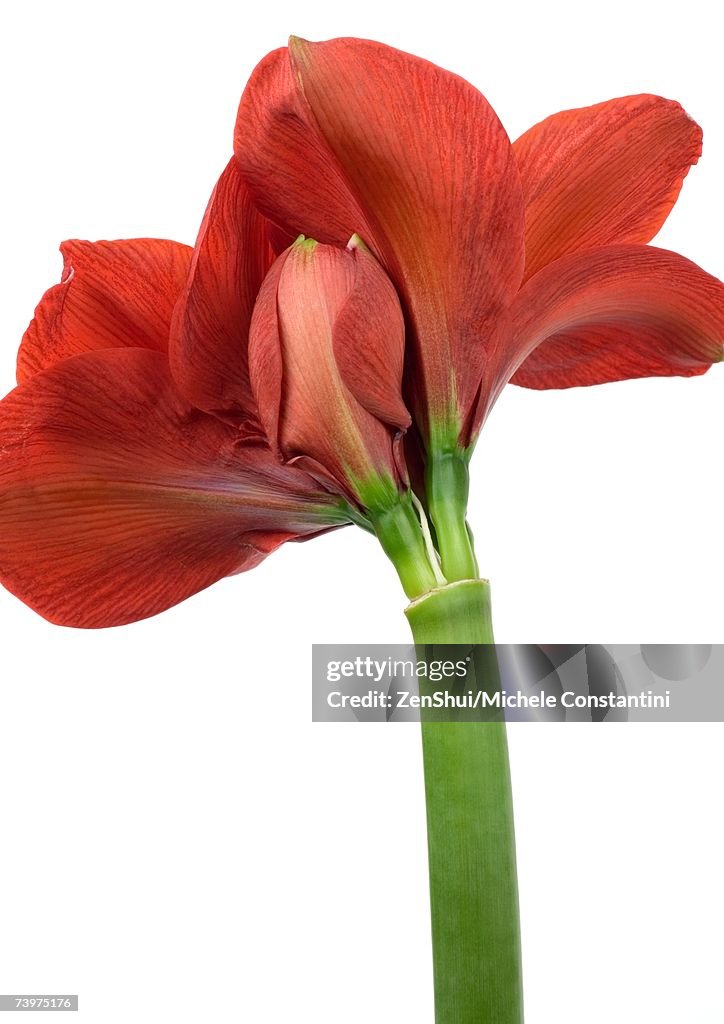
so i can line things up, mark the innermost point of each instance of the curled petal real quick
(118, 499)
(111, 295)
(603, 175)
(613, 314)
(369, 343)
(208, 350)
(363, 138)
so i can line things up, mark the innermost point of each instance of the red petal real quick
(266, 368)
(414, 160)
(369, 343)
(293, 176)
(617, 313)
(603, 175)
(119, 499)
(210, 331)
(112, 295)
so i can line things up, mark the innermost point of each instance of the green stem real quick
(400, 534)
(471, 843)
(447, 486)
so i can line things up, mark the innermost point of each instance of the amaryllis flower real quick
(353, 136)
(525, 262)
(118, 497)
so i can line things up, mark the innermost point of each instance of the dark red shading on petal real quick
(413, 159)
(616, 313)
(208, 350)
(279, 239)
(603, 175)
(112, 295)
(118, 499)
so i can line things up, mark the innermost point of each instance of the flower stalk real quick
(471, 841)
(468, 796)
(447, 484)
(400, 533)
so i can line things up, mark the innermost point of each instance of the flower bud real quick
(326, 351)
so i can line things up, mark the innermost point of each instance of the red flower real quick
(118, 498)
(353, 136)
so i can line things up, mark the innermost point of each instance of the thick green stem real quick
(471, 843)
(447, 487)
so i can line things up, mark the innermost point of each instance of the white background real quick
(178, 841)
